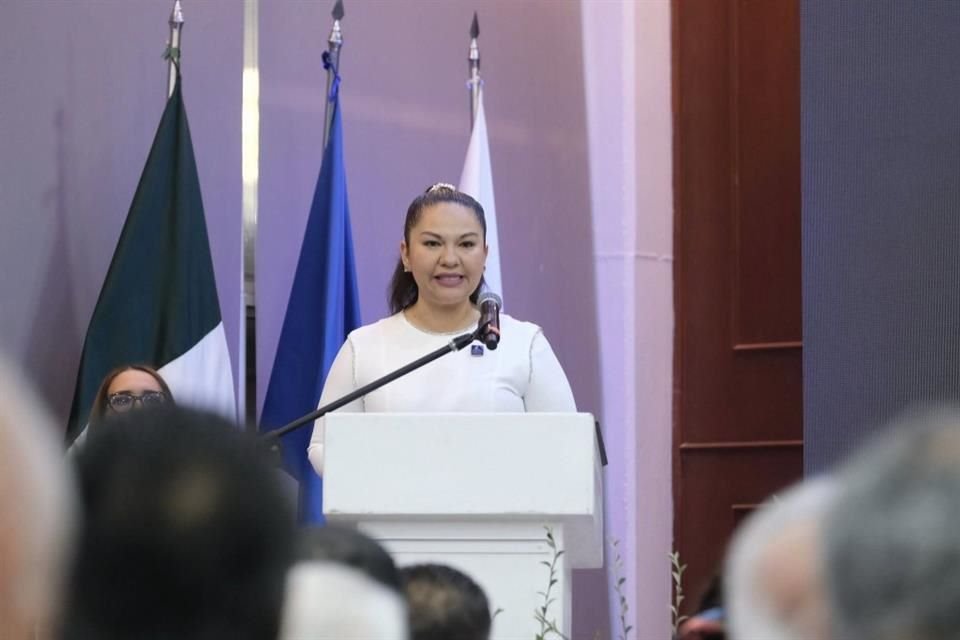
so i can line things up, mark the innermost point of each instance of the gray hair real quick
(37, 508)
(776, 553)
(893, 536)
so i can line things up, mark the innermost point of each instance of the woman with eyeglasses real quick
(434, 297)
(127, 388)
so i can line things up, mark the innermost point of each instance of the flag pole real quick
(334, 42)
(250, 177)
(473, 61)
(173, 46)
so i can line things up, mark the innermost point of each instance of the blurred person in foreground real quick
(343, 586)
(774, 578)
(187, 534)
(445, 603)
(332, 601)
(349, 547)
(893, 535)
(37, 513)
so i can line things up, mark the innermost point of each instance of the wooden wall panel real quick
(737, 375)
(765, 172)
(722, 485)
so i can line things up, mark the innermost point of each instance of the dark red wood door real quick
(737, 378)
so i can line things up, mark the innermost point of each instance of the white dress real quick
(521, 375)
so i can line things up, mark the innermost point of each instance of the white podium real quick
(475, 491)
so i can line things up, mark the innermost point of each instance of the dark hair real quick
(98, 410)
(444, 603)
(403, 291)
(351, 548)
(186, 532)
(712, 596)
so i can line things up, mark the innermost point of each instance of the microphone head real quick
(489, 296)
(489, 304)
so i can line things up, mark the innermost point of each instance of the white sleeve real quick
(548, 389)
(341, 380)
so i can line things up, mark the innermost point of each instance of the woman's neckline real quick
(468, 326)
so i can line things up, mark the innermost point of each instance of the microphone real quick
(488, 330)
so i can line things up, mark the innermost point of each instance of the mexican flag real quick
(158, 305)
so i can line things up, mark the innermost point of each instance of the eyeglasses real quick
(122, 401)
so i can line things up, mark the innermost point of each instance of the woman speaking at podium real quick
(433, 298)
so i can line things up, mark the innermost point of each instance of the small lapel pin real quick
(476, 349)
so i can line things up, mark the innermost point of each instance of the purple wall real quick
(83, 86)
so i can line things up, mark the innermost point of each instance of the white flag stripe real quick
(202, 377)
(477, 181)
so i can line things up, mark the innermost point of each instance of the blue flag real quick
(324, 307)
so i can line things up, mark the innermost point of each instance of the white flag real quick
(477, 181)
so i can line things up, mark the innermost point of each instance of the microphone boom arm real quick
(453, 346)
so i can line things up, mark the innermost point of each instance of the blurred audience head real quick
(187, 534)
(349, 547)
(774, 576)
(126, 388)
(332, 601)
(37, 509)
(444, 603)
(893, 535)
